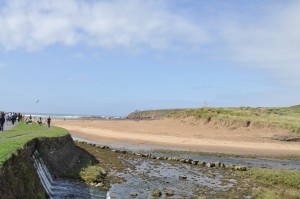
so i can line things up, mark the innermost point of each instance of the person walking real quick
(49, 121)
(19, 117)
(2, 121)
(13, 119)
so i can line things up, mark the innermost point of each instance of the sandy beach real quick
(179, 135)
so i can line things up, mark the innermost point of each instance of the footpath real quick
(8, 126)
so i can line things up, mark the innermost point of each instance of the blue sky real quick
(113, 57)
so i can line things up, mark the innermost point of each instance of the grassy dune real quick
(15, 138)
(284, 118)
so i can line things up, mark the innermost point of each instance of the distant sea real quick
(70, 116)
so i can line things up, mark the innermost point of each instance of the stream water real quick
(249, 162)
(58, 189)
(148, 175)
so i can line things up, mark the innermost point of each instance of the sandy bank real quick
(178, 135)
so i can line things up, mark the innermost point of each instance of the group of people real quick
(10, 117)
(39, 120)
(13, 117)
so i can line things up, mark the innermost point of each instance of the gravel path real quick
(8, 125)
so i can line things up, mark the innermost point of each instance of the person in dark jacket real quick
(49, 121)
(2, 121)
(13, 118)
(19, 117)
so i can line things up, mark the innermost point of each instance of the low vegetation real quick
(93, 174)
(152, 114)
(284, 118)
(275, 184)
(14, 139)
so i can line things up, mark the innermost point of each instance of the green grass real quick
(276, 183)
(284, 118)
(286, 178)
(11, 145)
(22, 129)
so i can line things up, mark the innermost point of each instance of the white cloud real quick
(34, 24)
(271, 42)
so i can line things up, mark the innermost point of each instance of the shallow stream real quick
(166, 177)
(249, 162)
(143, 177)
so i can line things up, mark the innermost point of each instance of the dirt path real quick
(177, 135)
